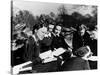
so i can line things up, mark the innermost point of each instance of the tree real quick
(25, 17)
(62, 10)
(65, 19)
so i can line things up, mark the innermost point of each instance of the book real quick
(48, 56)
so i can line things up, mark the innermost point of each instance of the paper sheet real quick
(58, 51)
(46, 54)
(93, 58)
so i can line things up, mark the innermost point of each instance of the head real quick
(83, 52)
(93, 35)
(27, 31)
(81, 29)
(58, 29)
(51, 27)
(40, 32)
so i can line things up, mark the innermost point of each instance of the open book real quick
(48, 56)
(58, 51)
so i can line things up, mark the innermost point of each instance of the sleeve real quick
(29, 49)
(65, 45)
(74, 43)
(87, 39)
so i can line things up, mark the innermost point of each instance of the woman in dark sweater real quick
(80, 38)
(79, 62)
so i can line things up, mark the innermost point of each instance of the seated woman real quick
(18, 49)
(93, 46)
(80, 37)
(79, 62)
(33, 52)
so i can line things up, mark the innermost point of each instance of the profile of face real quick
(41, 33)
(27, 31)
(93, 35)
(58, 30)
(84, 52)
(51, 27)
(82, 30)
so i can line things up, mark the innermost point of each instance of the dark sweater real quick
(79, 41)
(75, 63)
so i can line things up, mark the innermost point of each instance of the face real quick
(19, 36)
(51, 28)
(81, 30)
(13, 43)
(68, 37)
(27, 31)
(58, 30)
(41, 33)
(93, 35)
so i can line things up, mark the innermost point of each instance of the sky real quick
(37, 8)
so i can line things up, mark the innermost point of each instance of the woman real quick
(80, 38)
(79, 62)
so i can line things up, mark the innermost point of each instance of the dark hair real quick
(36, 27)
(78, 27)
(81, 52)
(19, 42)
(23, 35)
(14, 37)
(58, 25)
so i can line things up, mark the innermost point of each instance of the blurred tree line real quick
(27, 18)
(76, 18)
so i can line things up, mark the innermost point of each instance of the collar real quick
(48, 35)
(35, 37)
(57, 35)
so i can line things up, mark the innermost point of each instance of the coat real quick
(75, 63)
(32, 50)
(79, 41)
(58, 41)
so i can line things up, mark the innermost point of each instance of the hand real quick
(16, 69)
(14, 48)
